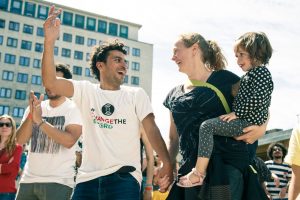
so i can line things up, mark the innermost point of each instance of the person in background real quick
(147, 166)
(10, 155)
(293, 158)
(52, 127)
(111, 113)
(202, 60)
(276, 153)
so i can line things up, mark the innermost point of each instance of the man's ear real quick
(99, 65)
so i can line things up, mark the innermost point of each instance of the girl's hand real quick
(228, 117)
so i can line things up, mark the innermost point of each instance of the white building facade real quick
(21, 47)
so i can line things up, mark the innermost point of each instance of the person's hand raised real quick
(52, 25)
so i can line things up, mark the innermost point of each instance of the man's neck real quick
(57, 102)
(277, 160)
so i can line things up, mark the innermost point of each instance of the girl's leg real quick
(207, 130)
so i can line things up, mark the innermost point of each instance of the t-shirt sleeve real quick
(78, 89)
(143, 104)
(294, 148)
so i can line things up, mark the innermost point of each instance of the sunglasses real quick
(277, 149)
(7, 124)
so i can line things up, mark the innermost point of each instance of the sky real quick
(223, 21)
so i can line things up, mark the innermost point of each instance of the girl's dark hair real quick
(65, 69)
(211, 52)
(101, 52)
(257, 45)
(277, 144)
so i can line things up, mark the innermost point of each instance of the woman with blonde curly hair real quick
(10, 154)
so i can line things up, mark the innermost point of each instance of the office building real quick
(21, 47)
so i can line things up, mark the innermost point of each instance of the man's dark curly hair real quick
(65, 69)
(101, 52)
(276, 144)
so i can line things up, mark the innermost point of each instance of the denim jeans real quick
(116, 186)
(43, 191)
(7, 196)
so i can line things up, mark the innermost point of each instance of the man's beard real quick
(54, 97)
(278, 157)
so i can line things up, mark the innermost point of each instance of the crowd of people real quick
(116, 130)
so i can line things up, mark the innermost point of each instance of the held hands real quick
(52, 25)
(228, 117)
(165, 176)
(35, 107)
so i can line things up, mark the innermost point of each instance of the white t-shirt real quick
(111, 137)
(48, 161)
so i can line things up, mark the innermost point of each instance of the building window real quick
(29, 9)
(36, 80)
(66, 52)
(78, 55)
(125, 79)
(7, 75)
(40, 31)
(91, 42)
(16, 6)
(79, 21)
(38, 94)
(12, 42)
(20, 94)
(5, 93)
(87, 72)
(2, 23)
(27, 29)
(124, 31)
(36, 63)
(79, 39)
(14, 26)
(24, 61)
(42, 12)
(18, 112)
(136, 52)
(22, 78)
(56, 51)
(91, 24)
(4, 110)
(67, 18)
(1, 39)
(4, 5)
(102, 26)
(87, 57)
(26, 45)
(135, 66)
(9, 58)
(77, 70)
(39, 47)
(67, 37)
(135, 80)
(113, 29)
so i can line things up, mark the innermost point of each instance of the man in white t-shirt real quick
(111, 114)
(52, 127)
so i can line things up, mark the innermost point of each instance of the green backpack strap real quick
(216, 90)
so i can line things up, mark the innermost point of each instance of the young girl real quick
(10, 155)
(253, 51)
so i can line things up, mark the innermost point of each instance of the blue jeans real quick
(7, 196)
(236, 182)
(116, 186)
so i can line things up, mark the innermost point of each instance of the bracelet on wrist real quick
(148, 184)
(29, 116)
(40, 124)
(148, 188)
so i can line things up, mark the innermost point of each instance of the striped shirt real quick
(284, 173)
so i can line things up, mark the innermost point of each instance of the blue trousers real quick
(116, 186)
(7, 196)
